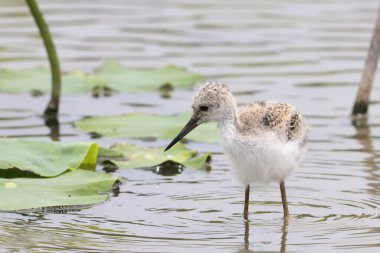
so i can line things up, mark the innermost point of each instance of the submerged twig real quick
(53, 105)
(362, 98)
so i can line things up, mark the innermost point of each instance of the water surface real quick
(308, 53)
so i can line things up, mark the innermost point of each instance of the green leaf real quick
(118, 77)
(142, 125)
(142, 157)
(78, 187)
(107, 152)
(46, 158)
(19, 81)
(198, 161)
(111, 75)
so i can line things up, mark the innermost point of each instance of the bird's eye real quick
(203, 108)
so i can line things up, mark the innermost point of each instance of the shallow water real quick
(309, 53)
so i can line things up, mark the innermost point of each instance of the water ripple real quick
(309, 53)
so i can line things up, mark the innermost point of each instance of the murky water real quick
(309, 53)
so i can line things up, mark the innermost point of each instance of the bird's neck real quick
(227, 130)
(228, 121)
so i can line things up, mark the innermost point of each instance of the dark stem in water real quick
(52, 107)
(53, 124)
(362, 98)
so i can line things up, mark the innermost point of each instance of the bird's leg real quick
(246, 203)
(283, 197)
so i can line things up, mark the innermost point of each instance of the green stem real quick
(53, 105)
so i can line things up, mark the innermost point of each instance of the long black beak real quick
(193, 123)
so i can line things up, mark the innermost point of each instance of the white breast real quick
(259, 159)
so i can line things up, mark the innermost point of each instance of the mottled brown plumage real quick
(263, 116)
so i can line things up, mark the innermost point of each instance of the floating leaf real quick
(198, 161)
(118, 77)
(107, 152)
(39, 80)
(111, 75)
(78, 187)
(46, 158)
(324, 84)
(141, 157)
(143, 125)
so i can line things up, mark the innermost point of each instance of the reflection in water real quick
(284, 234)
(52, 123)
(246, 236)
(167, 168)
(363, 135)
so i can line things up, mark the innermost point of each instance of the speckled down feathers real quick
(265, 140)
(211, 94)
(281, 118)
(252, 119)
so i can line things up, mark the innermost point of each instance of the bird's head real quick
(213, 102)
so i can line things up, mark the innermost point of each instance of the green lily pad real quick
(111, 75)
(143, 125)
(19, 81)
(46, 158)
(142, 157)
(198, 161)
(110, 153)
(118, 77)
(78, 187)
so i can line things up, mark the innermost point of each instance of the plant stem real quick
(362, 97)
(53, 105)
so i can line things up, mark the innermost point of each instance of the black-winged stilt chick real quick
(265, 141)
